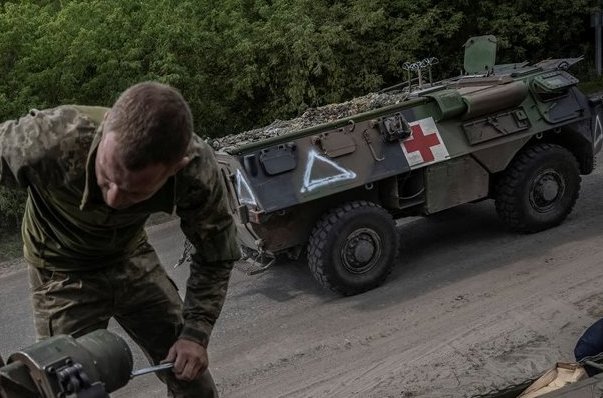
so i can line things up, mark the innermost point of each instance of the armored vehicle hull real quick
(519, 134)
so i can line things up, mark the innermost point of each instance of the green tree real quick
(244, 63)
(12, 204)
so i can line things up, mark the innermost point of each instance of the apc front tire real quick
(352, 248)
(539, 189)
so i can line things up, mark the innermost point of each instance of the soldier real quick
(93, 177)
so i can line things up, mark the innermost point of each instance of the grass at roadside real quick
(11, 246)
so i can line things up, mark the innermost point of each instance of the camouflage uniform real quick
(89, 262)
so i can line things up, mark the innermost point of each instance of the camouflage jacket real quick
(68, 227)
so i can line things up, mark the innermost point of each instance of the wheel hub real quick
(361, 250)
(548, 187)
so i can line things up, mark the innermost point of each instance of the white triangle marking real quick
(598, 132)
(312, 184)
(244, 192)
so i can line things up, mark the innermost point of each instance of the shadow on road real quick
(443, 248)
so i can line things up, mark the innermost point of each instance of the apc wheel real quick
(539, 189)
(352, 247)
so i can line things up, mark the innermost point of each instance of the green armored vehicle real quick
(333, 181)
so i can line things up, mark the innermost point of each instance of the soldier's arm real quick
(15, 156)
(31, 147)
(208, 225)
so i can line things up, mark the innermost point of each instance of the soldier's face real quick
(121, 187)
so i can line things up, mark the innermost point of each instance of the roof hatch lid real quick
(480, 54)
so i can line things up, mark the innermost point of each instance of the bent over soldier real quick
(93, 176)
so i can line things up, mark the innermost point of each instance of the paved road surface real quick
(469, 308)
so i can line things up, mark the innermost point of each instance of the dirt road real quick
(470, 308)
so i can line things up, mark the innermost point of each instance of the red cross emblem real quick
(419, 142)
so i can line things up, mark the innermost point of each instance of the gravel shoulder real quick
(11, 266)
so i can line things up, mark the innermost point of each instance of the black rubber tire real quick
(352, 247)
(538, 189)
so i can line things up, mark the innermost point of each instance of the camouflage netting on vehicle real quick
(311, 117)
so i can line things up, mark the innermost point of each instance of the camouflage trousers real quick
(137, 293)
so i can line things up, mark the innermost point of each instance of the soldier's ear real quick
(181, 164)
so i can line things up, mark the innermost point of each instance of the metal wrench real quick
(152, 369)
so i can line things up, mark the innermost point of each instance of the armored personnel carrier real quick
(331, 182)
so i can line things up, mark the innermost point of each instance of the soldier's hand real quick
(190, 359)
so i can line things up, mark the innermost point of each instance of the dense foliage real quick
(12, 204)
(244, 63)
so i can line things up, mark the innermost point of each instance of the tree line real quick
(244, 63)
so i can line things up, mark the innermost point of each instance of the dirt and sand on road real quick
(484, 318)
(10, 266)
(470, 308)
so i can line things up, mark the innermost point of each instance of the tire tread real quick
(317, 250)
(507, 201)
